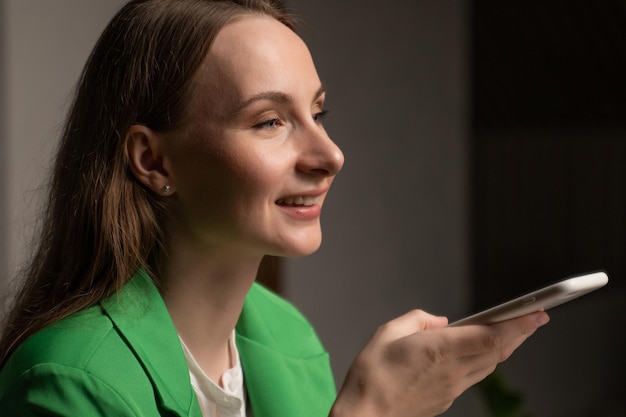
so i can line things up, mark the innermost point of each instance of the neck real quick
(204, 290)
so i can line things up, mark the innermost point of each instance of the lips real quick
(296, 201)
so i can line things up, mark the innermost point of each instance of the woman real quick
(193, 149)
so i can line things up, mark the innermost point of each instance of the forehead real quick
(251, 55)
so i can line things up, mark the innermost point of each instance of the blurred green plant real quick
(500, 399)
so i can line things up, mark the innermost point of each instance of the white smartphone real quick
(542, 299)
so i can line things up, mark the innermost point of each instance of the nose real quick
(319, 154)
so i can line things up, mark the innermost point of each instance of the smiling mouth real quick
(299, 201)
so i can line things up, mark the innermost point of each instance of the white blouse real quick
(215, 401)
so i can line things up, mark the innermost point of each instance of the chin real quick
(303, 253)
(299, 249)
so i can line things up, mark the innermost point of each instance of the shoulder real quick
(275, 322)
(54, 389)
(277, 346)
(71, 341)
(65, 366)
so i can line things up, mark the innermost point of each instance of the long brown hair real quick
(100, 224)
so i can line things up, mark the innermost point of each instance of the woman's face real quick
(252, 164)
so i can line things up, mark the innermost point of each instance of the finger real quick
(478, 339)
(530, 321)
(487, 361)
(475, 377)
(478, 367)
(412, 322)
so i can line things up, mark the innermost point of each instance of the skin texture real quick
(251, 143)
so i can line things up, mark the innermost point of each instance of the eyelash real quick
(319, 117)
(273, 123)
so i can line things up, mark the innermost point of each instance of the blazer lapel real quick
(138, 311)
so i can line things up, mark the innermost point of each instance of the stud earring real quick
(166, 189)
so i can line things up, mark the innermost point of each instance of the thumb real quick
(412, 322)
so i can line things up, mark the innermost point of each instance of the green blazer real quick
(123, 358)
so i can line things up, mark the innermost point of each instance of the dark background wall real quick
(549, 187)
(485, 157)
(548, 142)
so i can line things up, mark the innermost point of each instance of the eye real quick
(319, 117)
(269, 124)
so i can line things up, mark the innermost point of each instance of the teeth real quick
(310, 200)
(299, 201)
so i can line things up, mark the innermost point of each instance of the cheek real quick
(259, 168)
(216, 169)
(226, 182)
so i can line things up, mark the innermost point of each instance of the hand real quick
(414, 366)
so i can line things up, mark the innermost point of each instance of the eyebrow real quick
(273, 96)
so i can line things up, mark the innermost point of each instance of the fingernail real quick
(542, 319)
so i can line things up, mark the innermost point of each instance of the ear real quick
(145, 157)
